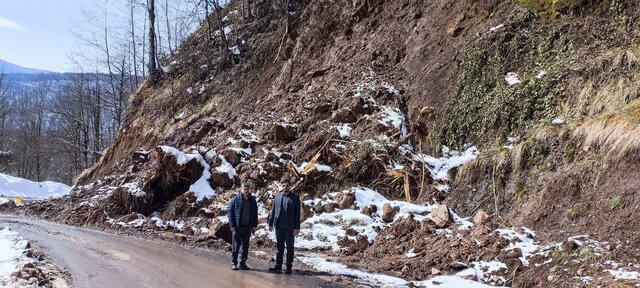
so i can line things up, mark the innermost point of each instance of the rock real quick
(344, 115)
(330, 207)
(360, 243)
(369, 210)
(513, 264)
(305, 211)
(456, 265)
(569, 245)
(128, 218)
(285, 132)
(318, 208)
(441, 216)
(481, 218)
(322, 108)
(389, 212)
(233, 157)
(351, 232)
(514, 253)
(220, 179)
(347, 200)
(435, 271)
(220, 230)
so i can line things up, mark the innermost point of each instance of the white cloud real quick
(8, 24)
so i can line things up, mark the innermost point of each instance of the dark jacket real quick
(291, 211)
(235, 210)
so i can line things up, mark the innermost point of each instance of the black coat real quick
(291, 211)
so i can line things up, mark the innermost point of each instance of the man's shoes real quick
(244, 267)
(234, 267)
(288, 271)
(276, 269)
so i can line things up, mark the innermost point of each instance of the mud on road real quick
(99, 259)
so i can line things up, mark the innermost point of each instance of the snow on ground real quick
(381, 280)
(558, 121)
(226, 168)
(512, 79)
(393, 117)
(323, 231)
(622, 274)
(439, 167)
(12, 187)
(496, 28)
(12, 250)
(344, 131)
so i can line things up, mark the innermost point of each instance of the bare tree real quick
(154, 72)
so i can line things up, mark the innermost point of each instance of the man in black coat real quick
(285, 216)
(243, 220)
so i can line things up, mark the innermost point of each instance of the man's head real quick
(286, 186)
(245, 188)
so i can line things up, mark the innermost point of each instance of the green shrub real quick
(548, 9)
(520, 192)
(615, 202)
(577, 211)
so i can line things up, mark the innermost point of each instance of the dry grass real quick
(617, 133)
(608, 94)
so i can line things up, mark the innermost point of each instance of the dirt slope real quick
(551, 105)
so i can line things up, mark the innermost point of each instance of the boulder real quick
(369, 210)
(220, 230)
(347, 200)
(233, 157)
(285, 132)
(389, 212)
(305, 211)
(481, 218)
(318, 208)
(330, 207)
(344, 115)
(569, 246)
(322, 108)
(220, 179)
(441, 216)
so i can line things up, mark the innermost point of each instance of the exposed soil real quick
(403, 77)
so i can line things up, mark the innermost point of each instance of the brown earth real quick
(437, 62)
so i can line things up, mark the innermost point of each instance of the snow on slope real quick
(12, 249)
(11, 186)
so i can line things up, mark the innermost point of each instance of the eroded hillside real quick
(402, 121)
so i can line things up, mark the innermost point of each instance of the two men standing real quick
(243, 220)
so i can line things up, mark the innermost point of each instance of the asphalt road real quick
(99, 259)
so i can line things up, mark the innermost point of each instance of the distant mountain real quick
(10, 68)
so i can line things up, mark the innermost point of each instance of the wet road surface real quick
(99, 259)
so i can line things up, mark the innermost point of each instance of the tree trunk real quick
(154, 73)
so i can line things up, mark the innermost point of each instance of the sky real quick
(38, 33)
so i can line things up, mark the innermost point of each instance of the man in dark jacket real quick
(243, 220)
(285, 216)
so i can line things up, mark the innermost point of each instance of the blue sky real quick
(37, 33)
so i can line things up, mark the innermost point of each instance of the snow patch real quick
(11, 186)
(512, 79)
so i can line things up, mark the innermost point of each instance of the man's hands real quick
(270, 228)
(296, 232)
(233, 229)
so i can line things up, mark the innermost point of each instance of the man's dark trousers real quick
(284, 236)
(240, 238)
